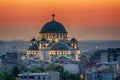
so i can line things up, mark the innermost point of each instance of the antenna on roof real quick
(53, 15)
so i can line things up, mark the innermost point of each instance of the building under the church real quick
(53, 42)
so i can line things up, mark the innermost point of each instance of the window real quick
(39, 77)
(24, 77)
(31, 77)
(43, 77)
(49, 78)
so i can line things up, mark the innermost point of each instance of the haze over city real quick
(86, 20)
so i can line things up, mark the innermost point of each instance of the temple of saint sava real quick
(53, 43)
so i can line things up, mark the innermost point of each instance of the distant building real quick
(99, 56)
(118, 55)
(12, 58)
(100, 76)
(53, 42)
(38, 76)
(1, 59)
(72, 68)
(107, 55)
(114, 55)
(97, 71)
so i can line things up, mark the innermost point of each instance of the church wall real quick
(44, 55)
(52, 36)
(76, 54)
(34, 52)
(59, 52)
(31, 54)
(66, 53)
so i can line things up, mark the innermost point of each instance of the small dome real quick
(59, 46)
(33, 39)
(53, 27)
(73, 40)
(33, 47)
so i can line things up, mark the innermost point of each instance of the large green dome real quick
(53, 27)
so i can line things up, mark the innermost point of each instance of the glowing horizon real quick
(84, 19)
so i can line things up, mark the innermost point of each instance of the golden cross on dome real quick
(53, 15)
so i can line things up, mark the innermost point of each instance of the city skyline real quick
(86, 20)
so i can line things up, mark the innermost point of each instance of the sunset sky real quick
(85, 19)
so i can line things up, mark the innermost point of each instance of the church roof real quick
(33, 47)
(43, 40)
(59, 46)
(53, 27)
(33, 39)
(73, 40)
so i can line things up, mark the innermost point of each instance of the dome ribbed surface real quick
(53, 27)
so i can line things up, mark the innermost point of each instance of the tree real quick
(50, 67)
(59, 69)
(37, 69)
(6, 76)
(72, 76)
(22, 68)
(3, 75)
(15, 71)
(64, 75)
